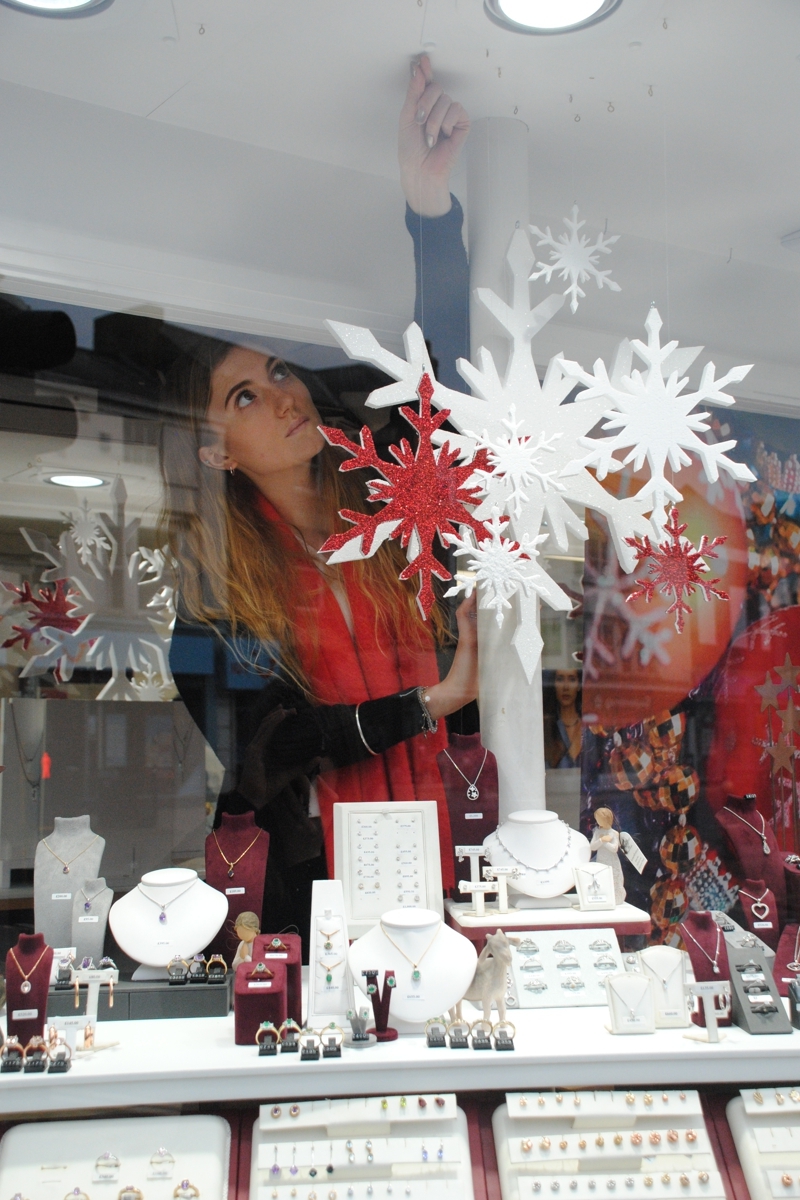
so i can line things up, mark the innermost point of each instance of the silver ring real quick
(535, 985)
(569, 964)
(605, 963)
(527, 946)
(573, 982)
(532, 964)
(599, 945)
(562, 946)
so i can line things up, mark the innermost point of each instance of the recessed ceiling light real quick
(76, 481)
(57, 8)
(548, 16)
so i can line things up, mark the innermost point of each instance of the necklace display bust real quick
(171, 912)
(236, 865)
(708, 954)
(543, 848)
(73, 844)
(90, 908)
(415, 941)
(753, 841)
(27, 981)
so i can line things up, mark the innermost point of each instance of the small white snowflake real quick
(87, 532)
(516, 461)
(149, 684)
(650, 413)
(575, 258)
(501, 568)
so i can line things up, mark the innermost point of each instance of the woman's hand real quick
(460, 685)
(432, 131)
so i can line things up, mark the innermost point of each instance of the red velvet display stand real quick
(380, 1004)
(257, 999)
(791, 875)
(244, 889)
(470, 820)
(29, 948)
(763, 922)
(747, 845)
(708, 935)
(264, 950)
(788, 949)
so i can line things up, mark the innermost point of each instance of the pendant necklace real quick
(713, 960)
(631, 1009)
(26, 986)
(232, 864)
(66, 864)
(758, 908)
(162, 916)
(762, 833)
(663, 979)
(26, 760)
(794, 965)
(328, 944)
(330, 969)
(538, 870)
(472, 789)
(416, 974)
(88, 901)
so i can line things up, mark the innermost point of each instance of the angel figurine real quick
(607, 842)
(247, 928)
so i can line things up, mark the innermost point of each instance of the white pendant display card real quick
(594, 883)
(765, 1123)
(150, 1154)
(567, 968)
(666, 968)
(387, 856)
(330, 987)
(631, 1003)
(414, 1146)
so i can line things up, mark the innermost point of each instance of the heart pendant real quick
(759, 910)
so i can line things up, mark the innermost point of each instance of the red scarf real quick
(350, 670)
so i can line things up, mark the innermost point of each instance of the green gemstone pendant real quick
(416, 974)
(329, 978)
(329, 944)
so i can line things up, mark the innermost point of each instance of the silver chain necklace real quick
(762, 833)
(162, 916)
(472, 790)
(538, 870)
(702, 949)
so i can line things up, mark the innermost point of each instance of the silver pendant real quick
(716, 968)
(759, 910)
(472, 792)
(25, 987)
(765, 844)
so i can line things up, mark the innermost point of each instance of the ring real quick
(310, 1037)
(276, 944)
(535, 985)
(76, 1194)
(573, 982)
(569, 964)
(216, 962)
(511, 1031)
(178, 968)
(130, 1193)
(186, 1191)
(261, 971)
(481, 1027)
(562, 946)
(266, 1030)
(332, 1029)
(58, 1050)
(289, 1026)
(36, 1047)
(162, 1157)
(436, 1023)
(106, 964)
(462, 1025)
(527, 946)
(532, 964)
(605, 963)
(12, 1046)
(106, 1160)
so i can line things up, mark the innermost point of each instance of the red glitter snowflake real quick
(425, 494)
(50, 606)
(676, 568)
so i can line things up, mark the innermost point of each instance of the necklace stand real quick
(54, 890)
(89, 924)
(244, 890)
(708, 935)
(748, 846)
(445, 970)
(27, 1010)
(194, 915)
(760, 910)
(787, 952)
(471, 820)
(545, 850)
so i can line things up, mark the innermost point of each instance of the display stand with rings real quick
(586, 1144)
(362, 1148)
(551, 969)
(160, 1158)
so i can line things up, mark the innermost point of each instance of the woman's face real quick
(261, 416)
(567, 686)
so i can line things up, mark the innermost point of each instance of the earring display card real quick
(765, 1123)
(586, 1144)
(387, 856)
(365, 1148)
(151, 1154)
(552, 968)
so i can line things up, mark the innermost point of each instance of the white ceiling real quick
(233, 161)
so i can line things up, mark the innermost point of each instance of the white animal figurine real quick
(489, 984)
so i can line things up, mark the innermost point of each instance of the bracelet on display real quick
(429, 725)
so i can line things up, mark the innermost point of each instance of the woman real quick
(337, 688)
(563, 729)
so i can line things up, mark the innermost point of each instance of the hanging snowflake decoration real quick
(124, 605)
(87, 532)
(516, 461)
(150, 685)
(650, 413)
(502, 568)
(676, 568)
(424, 495)
(46, 608)
(575, 258)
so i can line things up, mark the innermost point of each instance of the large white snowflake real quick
(535, 411)
(575, 258)
(516, 461)
(123, 598)
(650, 413)
(87, 532)
(501, 568)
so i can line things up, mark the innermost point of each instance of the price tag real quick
(601, 899)
(88, 920)
(473, 816)
(163, 1171)
(260, 984)
(105, 1174)
(25, 1014)
(762, 924)
(61, 896)
(234, 891)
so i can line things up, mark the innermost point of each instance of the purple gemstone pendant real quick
(65, 871)
(230, 873)
(162, 916)
(87, 906)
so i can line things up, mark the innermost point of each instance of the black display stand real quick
(151, 1000)
(765, 1012)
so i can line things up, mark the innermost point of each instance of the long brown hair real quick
(234, 569)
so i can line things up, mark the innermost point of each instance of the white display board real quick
(330, 987)
(362, 1148)
(765, 1123)
(587, 1144)
(153, 1154)
(386, 856)
(545, 978)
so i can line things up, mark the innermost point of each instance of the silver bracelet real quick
(374, 753)
(430, 725)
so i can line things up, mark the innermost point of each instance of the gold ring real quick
(186, 1191)
(107, 1160)
(36, 1045)
(332, 1028)
(130, 1193)
(162, 1157)
(432, 1021)
(58, 1050)
(11, 1046)
(266, 1030)
(76, 1194)
(217, 960)
(483, 1027)
(507, 1025)
(288, 1026)
(462, 1025)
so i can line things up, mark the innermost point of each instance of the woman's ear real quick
(214, 457)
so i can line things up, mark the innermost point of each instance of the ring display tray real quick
(540, 978)
(364, 1148)
(152, 1154)
(587, 1144)
(765, 1123)
(152, 1000)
